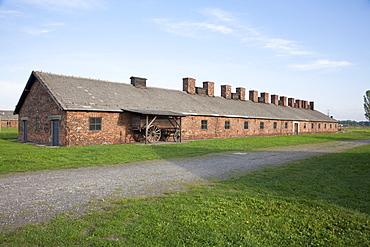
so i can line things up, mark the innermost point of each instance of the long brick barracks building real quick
(71, 111)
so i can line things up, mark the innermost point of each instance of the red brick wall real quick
(216, 127)
(116, 128)
(13, 123)
(39, 104)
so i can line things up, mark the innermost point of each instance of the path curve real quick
(39, 196)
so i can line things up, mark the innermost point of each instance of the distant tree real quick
(367, 104)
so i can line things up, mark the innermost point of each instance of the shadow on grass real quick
(8, 135)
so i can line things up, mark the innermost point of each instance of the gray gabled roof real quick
(75, 93)
(7, 115)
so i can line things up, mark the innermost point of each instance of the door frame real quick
(295, 128)
(55, 132)
(55, 123)
(25, 128)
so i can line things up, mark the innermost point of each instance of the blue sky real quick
(306, 49)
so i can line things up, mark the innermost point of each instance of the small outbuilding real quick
(7, 119)
(63, 110)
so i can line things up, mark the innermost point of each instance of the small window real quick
(319, 126)
(312, 126)
(8, 124)
(275, 125)
(95, 123)
(331, 126)
(324, 126)
(262, 125)
(227, 125)
(286, 125)
(37, 124)
(246, 125)
(204, 124)
(304, 125)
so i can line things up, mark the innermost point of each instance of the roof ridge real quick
(77, 77)
(92, 79)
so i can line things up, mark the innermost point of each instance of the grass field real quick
(18, 157)
(321, 201)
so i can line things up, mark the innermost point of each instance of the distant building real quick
(71, 111)
(7, 119)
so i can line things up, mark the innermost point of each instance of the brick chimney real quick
(226, 91)
(283, 101)
(138, 82)
(291, 102)
(210, 88)
(312, 105)
(189, 85)
(275, 99)
(298, 103)
(305, 104)
(241, 92)
(253, 95)
(264, 98)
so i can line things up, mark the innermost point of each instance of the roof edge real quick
(25, 92)
(27, 89)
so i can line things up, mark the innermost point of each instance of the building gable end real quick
(27, 89)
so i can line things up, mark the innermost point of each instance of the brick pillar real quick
(312, 105)
(226, 91)
(210, 88)
(189, 85)
(241, 92)
(264, 98)
(283, 101)
(275, 99)
(253, 95)
(291, 102)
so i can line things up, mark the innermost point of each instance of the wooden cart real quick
(154, 127)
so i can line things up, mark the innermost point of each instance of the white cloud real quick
(218, 14)
(5, 13)
(49, 27)
(321, 64)
(36, 31)
(191, 29)
(279, 46)
(214, 28)
(62, 4)
(285, 47)
(222, 22)
(54, 24)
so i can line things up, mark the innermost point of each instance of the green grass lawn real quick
(321, 201)
(18, 157)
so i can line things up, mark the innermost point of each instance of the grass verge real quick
(18, 157)
(321, 201)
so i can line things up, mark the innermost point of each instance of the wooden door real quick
(55, 132)
(296, 128)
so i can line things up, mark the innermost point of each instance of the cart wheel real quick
(176, 136)
(154, 134)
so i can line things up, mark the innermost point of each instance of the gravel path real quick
(39, 196)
